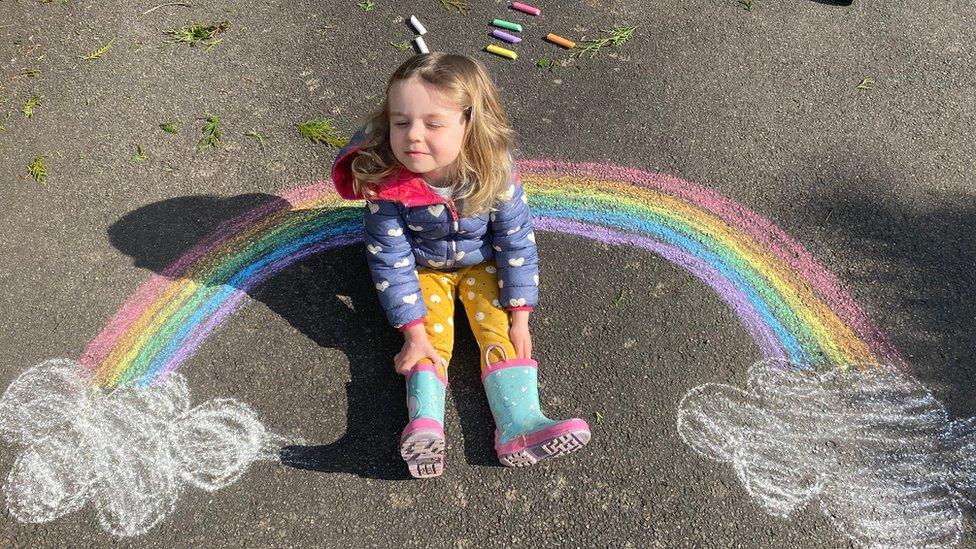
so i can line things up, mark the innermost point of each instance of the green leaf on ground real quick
(320, 130)
(405, 45)
(169, 127)
(614, 37)
(211, 133)
(100, 51)
(546, 63)
(140, 154)
(257, 136)
(367, 5)
(866, 84)
(746, 4)
(30, 104)
(598, 416)
(37, 169)
(197, 34)
(457, 5)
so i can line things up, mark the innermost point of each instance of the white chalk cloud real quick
(871, 445)
(130, 451)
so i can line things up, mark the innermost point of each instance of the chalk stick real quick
(556, 39)
(506, 25)
(421, 45)
(531, 10)
(498, 50)
(502, 35)
(417, 25)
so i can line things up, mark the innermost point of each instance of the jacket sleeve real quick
(391, 264)
(515, 252)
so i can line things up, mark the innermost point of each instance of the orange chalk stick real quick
(556, 39)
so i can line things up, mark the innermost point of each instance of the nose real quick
(415, 132)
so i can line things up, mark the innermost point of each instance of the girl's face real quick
(426, 128)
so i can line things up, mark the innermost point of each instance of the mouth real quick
(416, 153)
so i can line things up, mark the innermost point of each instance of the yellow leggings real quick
(477, 287)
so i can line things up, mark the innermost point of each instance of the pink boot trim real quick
(511, 363)
(422, 424)
(560, 439)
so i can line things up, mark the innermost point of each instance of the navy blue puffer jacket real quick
(407, 225)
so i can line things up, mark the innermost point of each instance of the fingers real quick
(404, 361)
(400, 364)
(523, 345)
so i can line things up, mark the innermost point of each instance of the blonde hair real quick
(484, 165)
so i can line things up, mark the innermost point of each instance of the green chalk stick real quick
(507, 25)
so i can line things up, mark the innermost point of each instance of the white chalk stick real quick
(421, 45)
(417, 26)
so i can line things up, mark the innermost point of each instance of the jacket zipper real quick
(454, 217)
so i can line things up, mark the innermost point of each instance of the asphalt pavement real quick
(761, 105)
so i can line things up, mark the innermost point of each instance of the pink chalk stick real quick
(531, 10)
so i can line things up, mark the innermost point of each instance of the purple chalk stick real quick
(505, 36)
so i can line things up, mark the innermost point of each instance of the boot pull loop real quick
(488, 352)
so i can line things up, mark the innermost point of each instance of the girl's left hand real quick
(519, 334)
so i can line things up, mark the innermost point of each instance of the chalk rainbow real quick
(789, 304)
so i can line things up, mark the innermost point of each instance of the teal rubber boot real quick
(422, 441)
(523, 435)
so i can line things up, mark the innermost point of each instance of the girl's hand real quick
(416, 347)
(519, 334)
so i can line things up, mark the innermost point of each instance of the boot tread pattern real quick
(424, 454)
(558, 446)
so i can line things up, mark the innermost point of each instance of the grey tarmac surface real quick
(759, 105)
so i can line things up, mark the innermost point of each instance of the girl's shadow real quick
(328, 297)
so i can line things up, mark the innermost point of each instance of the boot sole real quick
(553, 447)
(423, 451)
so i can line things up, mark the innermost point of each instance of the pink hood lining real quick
(404, 186)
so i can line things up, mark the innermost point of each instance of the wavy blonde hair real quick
(484, 166)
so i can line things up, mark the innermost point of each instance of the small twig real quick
(184, 4)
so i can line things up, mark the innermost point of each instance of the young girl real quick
(446, 220)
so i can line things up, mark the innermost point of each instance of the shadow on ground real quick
(925, 259)
(306, 294)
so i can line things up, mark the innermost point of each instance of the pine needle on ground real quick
(614, 37)
(320, 130)
(30, 104)
(198, 34)
(37, 169)
(100, 51)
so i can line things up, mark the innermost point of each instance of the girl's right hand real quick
(416, 347)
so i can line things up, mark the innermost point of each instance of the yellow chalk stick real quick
(556, 39)
(501, 51)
